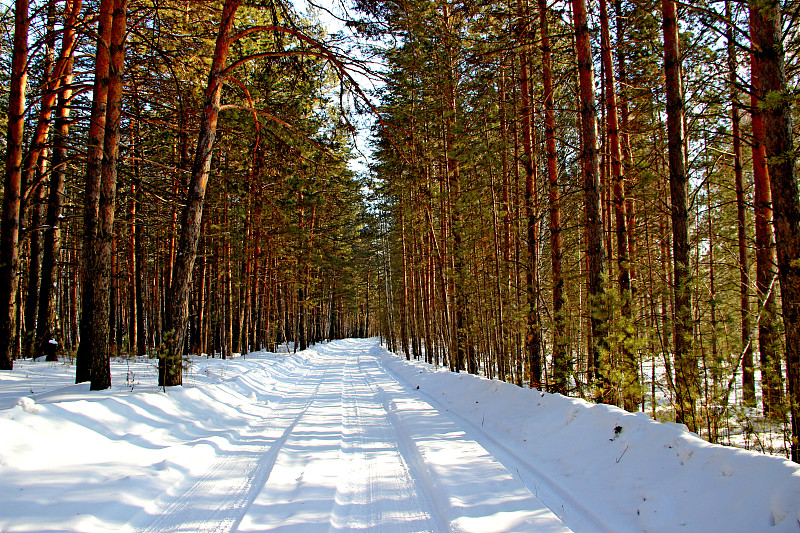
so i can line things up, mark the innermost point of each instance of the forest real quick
(594, 200)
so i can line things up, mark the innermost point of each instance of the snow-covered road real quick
(349, 448)
(348, 437)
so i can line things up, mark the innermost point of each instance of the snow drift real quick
(631, 472)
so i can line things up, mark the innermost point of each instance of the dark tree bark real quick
(102, 243)
(139, 273)
(91, 204)
(686, 372)
(533, 334)
(766, 33)
(506, 344)
(301, 285)
(201, 306)
(404, 300)
(35, 219)
(34, 161)
(464, 356)
(227, 302)
(136, 341)
(37, 194)
(133, 322)
(627, 156)
(9, 232)
(33, 189)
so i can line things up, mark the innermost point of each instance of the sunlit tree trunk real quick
(170, 362)
(766, 260)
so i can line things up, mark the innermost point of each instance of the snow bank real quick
(630, 472)
(75, 460)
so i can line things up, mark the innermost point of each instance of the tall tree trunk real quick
(627, 157)
(35, 229)
(712, 292)
(246, 283)
(37, 195)
(137, 340)
(533, 335)
(686, 371)
(140, 273)
(33, 189)
(766, 33)
(748, 374)
(301, 285)
(227, 301)
(114, 316)
(505, 333)
(9, 232)
(71, 308)
(201, 306)
(766, 260)
(404, 300)
(597, 306)
(464, 352)
(561, 361)
(46, 324)
(101, 245)
(630, 371)
(133, 322)
(91, 205)
(170, 363)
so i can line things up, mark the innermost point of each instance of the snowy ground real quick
(347, 437)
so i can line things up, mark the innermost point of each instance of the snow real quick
(346, 436)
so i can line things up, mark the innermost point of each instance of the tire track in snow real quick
(350, 447)
(376, 489)
(539, 483)
(220, 498)
(419, 470)
(470, 489)
(300, 494)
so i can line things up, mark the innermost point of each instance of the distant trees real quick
(644, 302)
